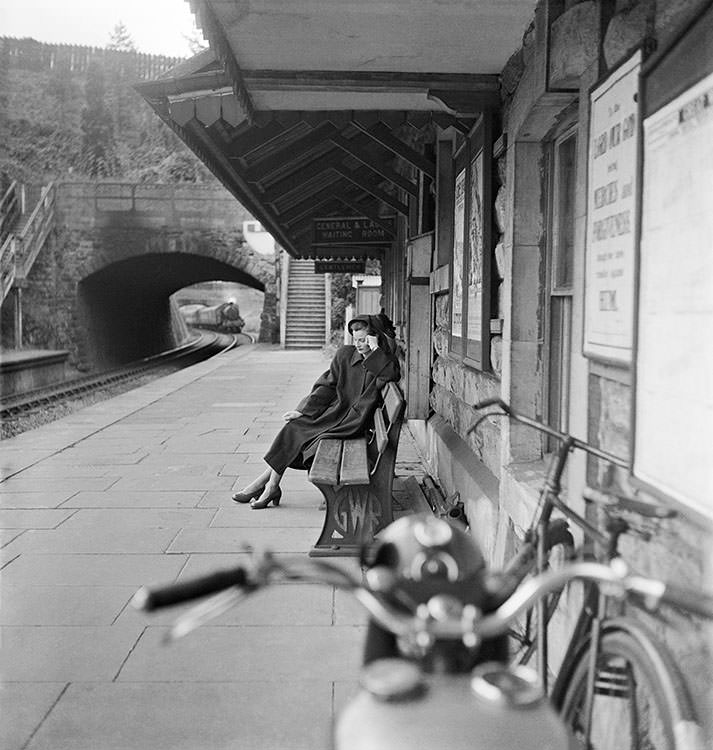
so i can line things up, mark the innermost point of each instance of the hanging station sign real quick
(612, 195)
(339, 266)
(350, 230)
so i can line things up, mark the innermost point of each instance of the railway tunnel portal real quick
(121, 250)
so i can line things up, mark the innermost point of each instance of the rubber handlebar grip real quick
(150, 599)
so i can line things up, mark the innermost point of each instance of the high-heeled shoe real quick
(264, 500)
(246, 497)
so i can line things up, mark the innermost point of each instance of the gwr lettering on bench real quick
(356, 478)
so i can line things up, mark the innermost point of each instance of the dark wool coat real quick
(339, 406)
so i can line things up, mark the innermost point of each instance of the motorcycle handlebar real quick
(470, 623)
(151, 599)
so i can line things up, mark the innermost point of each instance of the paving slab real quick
(34, 499)
(27, 703)
(125, 541)
(220, 654)
(276, 538)
(32, 518)
(57, 485)
(291, 515)
(62, 605)
(169, 482)
(66, 653)
(246, 715)
(135, 499)
(101, 569)
(118, 519)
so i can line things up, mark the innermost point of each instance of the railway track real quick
(205, 346)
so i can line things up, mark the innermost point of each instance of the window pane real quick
(564, 213)
(559, 365)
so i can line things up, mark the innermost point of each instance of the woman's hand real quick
(288, 416)
(373, 342)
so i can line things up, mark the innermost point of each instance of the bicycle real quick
(617, 686)
(546, 537)
(496, 706)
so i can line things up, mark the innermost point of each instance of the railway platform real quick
(136, 490)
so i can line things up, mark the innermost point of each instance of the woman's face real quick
(359, 338)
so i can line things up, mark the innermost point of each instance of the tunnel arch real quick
(124, 311)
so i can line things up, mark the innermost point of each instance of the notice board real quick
(673, 392)
(612, 194)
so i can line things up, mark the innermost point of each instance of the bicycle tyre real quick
(640, 702)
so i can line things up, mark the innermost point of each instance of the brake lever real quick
(205, 611)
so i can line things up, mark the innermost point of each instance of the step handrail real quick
(10, 210)
(34, 233)
(8, 266)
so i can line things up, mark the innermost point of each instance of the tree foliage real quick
(98, 158)
(120, 39)
(59, 123)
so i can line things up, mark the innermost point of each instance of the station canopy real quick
(316, 109)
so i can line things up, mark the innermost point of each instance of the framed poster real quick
(673, 375)
(458, 247)
(612, 193)
(470, 299)
(674, 371)
(474, 323)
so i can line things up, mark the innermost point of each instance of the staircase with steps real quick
(305, 317)
(23, 234)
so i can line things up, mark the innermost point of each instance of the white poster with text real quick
(611, 215)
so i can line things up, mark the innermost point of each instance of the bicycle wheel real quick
(640, 701)
(560, 549)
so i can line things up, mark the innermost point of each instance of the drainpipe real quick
(327, 308)
(284, 280)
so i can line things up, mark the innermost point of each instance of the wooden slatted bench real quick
(356, 477)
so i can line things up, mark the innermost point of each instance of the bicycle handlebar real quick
(430, 621)
(563, 437)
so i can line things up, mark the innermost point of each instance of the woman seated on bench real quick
(339, 406)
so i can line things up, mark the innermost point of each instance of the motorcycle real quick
(435, 671)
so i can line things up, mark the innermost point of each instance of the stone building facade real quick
(539, 175)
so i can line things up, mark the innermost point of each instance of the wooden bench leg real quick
(355, 514)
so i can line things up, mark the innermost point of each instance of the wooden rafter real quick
(383, 135)
(375, 164)
(261, 169)
(375, 190)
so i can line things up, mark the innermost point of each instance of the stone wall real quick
(100, 287)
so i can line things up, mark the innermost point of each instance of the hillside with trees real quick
(61, 120)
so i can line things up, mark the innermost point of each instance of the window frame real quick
(560, 296)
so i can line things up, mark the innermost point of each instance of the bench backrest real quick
(387, 418)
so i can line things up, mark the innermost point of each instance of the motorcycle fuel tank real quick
(494, 708)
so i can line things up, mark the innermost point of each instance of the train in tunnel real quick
(224, 318)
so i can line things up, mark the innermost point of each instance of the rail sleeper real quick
(356, 476)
